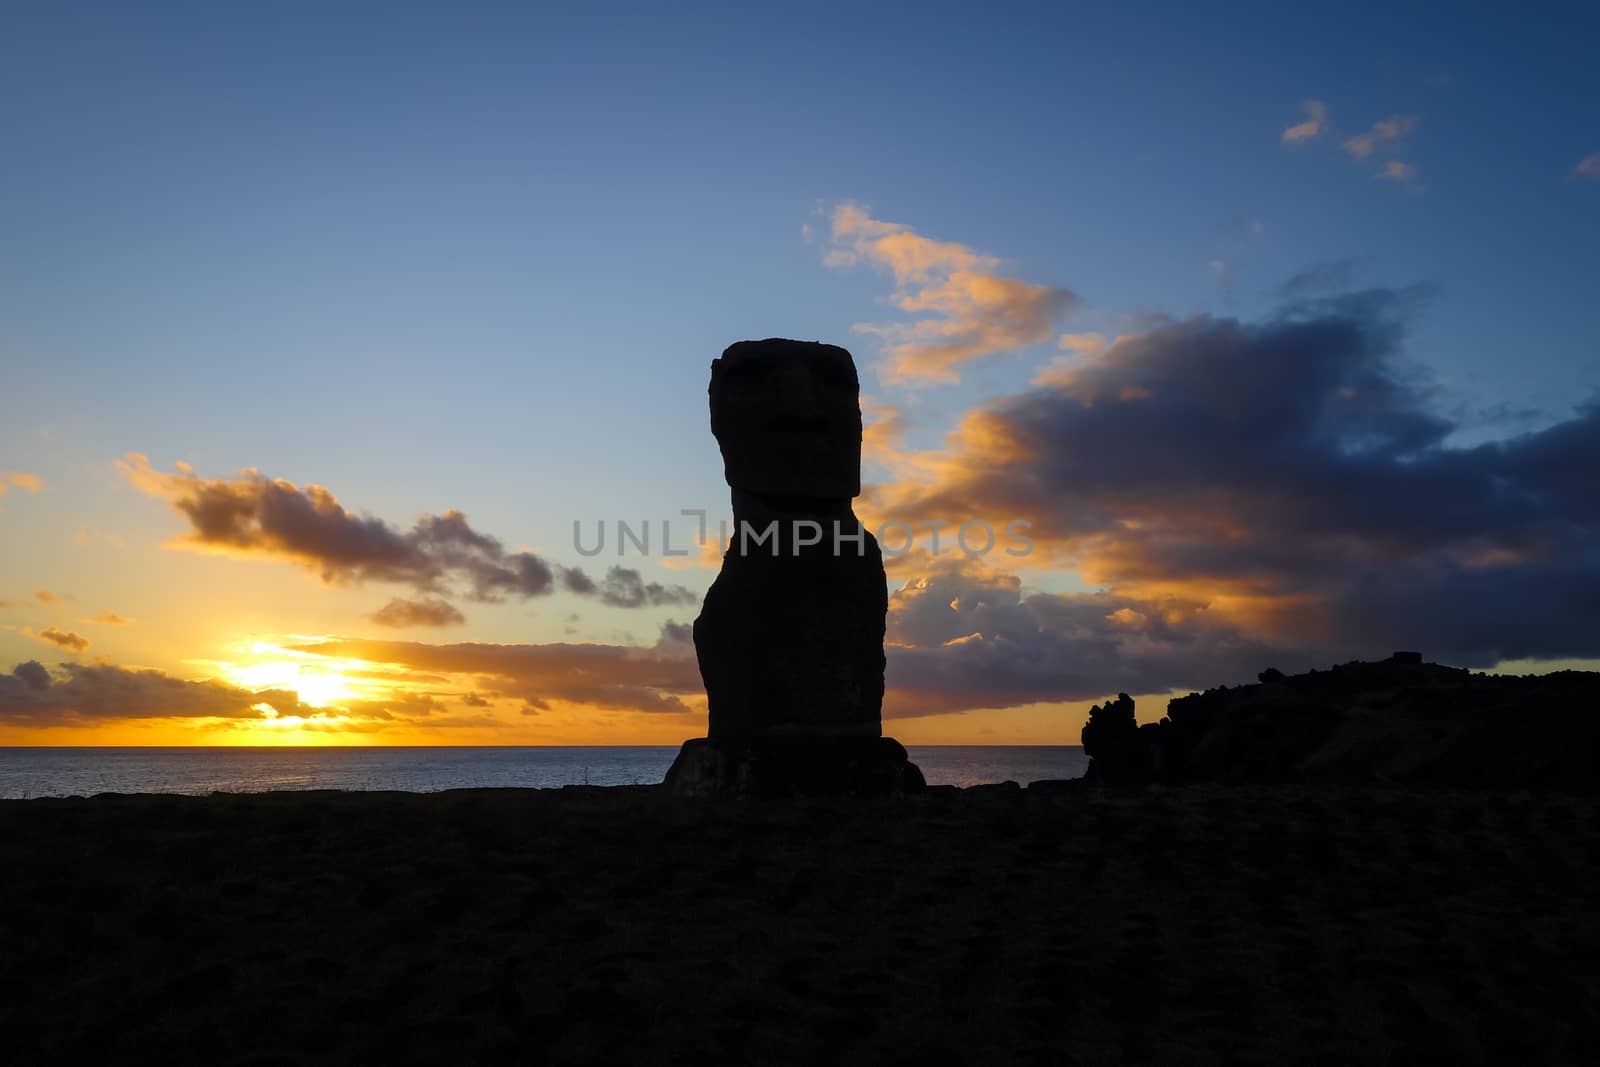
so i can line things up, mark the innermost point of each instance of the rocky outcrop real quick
(790, 637)
(1399, 720)
(1121, 755)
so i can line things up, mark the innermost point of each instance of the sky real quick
(322, 326)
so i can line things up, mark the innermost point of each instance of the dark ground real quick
(1182, 925)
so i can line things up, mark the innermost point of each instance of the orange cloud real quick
(702, 555)
(32, 483)
(654, 678)
(963, 636)
(399, 613)
(1396, 171)
(72, 642)
(1282, 483)
(1387, 132)
(1315, 124)
(966, 310)
(89, 695)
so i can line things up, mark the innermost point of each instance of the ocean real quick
(46, 772)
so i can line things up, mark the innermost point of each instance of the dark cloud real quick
(623, 587)
(72, 642)
(635, 678)
(32, 675)
(78, 694)
(253, 515)
(1292, 478)
(400, 613)
(959, 640)
(86, 695)
(1320, 279)
(1235, 495)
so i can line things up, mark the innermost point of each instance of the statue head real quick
(787, 416)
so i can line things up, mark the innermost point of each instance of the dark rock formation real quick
(1111, 737)
(1398, 721)
(790, 638)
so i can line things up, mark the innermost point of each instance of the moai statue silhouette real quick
(790, 639)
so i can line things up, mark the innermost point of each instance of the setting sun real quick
(318, 681)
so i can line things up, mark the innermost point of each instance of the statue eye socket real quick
(745, 375)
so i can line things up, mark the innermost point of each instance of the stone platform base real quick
(793, 766)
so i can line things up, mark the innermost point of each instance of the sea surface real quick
(46, 772)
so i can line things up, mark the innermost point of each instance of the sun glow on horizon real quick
(318, 681)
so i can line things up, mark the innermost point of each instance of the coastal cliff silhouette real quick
(1396, 721)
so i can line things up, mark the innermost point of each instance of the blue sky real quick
(480, 256)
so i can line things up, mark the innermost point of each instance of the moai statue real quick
(790, 639)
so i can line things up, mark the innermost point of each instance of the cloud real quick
(883, 429)
(960, 639)
(252, 515)
(109, 618)
(45, 596)
(1385, 135)
(1084, 343)
(1241, 229)
(1396, 171)
(432, 611)
(1290, 480)
(1319, 279)
(66, 639)
(624, 587)
(966, 309)
(1314, 126)
(88, 695)
(626, 677)
(1588, 166)
(1388, 132)
(1231, 494)
(82, 695)
(32, 483)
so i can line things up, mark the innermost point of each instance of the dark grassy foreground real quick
(1198, 925)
